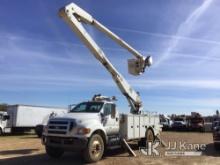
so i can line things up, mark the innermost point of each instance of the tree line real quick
(3, 107)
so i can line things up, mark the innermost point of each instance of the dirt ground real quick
(27, 149)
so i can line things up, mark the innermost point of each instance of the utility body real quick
(96, 125)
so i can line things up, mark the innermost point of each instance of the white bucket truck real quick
(96, 125)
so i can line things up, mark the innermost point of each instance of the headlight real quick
(83, 131)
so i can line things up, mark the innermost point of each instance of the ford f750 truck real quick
(93, 126)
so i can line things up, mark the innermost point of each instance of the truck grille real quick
(60, 127)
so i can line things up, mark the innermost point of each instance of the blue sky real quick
(42, 62)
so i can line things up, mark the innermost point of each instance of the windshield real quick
(178, 119)
(197, 120)
(91, 107)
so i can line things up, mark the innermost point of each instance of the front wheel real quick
(39, 130)
(95, 149)
(54, 152)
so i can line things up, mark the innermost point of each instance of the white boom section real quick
(75, 16)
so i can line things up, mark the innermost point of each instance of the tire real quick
(217, 146)
(54, 152)
(149, 137)
(1, 132)
(94, 150)
(39, 130)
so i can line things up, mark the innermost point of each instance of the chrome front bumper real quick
(66, 143)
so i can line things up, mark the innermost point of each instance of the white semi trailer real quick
(96, 125)
(26, 117)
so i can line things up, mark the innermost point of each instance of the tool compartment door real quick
(136, 126)
(142, 126)
(130, 127)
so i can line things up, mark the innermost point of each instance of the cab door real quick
(1, 118)
(111, 119)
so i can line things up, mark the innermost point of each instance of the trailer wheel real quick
(95, 149)
(54, 152)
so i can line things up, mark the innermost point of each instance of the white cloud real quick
(185, 29)
(102, 82)
(175, 83)
(166, 36)
(179, 105)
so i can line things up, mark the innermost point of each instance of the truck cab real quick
(86, 117)
(74, 130)
(179, 123)
(4, 117)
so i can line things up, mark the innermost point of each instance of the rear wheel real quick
(95, 149)
(54, 152)
(149, 137)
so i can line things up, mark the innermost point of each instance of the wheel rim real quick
(96, 148)
(150, 137)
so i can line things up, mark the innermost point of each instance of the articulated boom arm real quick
(75, 16)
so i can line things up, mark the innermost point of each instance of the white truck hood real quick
(80, 116)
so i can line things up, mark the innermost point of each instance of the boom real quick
(75, 16)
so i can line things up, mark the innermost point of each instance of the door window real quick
(109, 109)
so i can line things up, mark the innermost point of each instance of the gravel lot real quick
(27, 149)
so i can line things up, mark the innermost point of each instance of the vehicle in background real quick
(22, 118)
(3, 123)
(54, 113)
(196, 122)
(166, 122)
(215, 124)
(179, 123)
(216, 119)
(216, 134)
